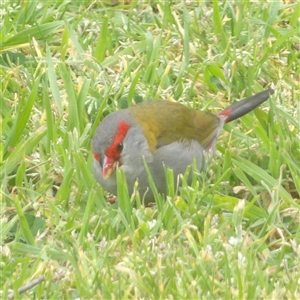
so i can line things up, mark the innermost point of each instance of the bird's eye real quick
(119, 147)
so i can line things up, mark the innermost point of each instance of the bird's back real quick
(165, 122)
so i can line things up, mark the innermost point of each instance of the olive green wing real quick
(165, 122)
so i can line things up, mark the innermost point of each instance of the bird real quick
(160, 134)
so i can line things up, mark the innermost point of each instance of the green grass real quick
(233, 234)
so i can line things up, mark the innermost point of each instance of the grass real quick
(233, 234)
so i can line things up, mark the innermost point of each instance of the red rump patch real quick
(225, 112)
(112, 151)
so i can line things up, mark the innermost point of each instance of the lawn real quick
(233, 234)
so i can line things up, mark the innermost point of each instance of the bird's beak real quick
(109, 165)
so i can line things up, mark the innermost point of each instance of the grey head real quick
(134, 149)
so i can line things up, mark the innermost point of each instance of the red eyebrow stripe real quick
(111, 151)
(96, 156)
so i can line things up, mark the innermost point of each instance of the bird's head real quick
(119, 142)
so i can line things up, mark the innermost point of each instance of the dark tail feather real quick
(242, 107)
